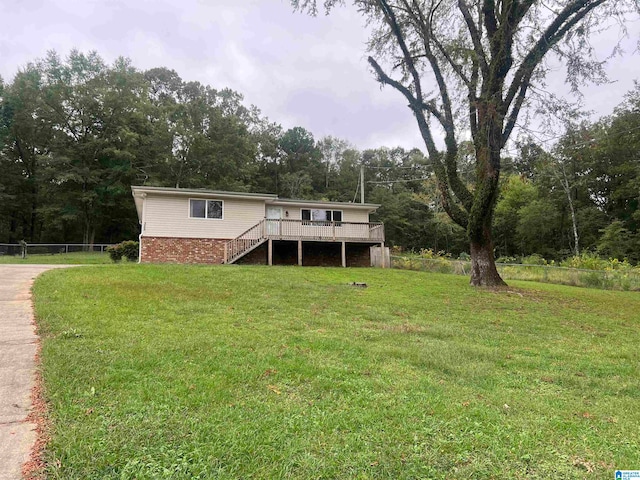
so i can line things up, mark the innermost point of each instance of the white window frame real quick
(206, 208)
(318, 223)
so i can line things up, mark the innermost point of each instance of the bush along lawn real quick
(233, 372)
(584, 271)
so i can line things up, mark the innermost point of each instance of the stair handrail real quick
(236, 247)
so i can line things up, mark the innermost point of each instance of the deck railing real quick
(323, 230)
(245, 242)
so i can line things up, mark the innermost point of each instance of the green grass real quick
(76, 258)
(184, 372)
(609, 279)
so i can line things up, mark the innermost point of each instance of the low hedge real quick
(128, 249)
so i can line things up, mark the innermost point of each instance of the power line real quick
(400, 181)
(415, 167)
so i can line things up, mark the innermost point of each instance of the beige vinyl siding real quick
(354, 215)
(168, 216)
(348, 215)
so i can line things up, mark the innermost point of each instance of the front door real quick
(273, 213)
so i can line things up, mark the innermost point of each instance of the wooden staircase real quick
(244, 243)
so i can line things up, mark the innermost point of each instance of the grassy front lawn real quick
(284, 372)
(75, 258)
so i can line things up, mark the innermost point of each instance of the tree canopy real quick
(469, 66)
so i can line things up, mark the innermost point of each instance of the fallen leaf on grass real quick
(274, 389)
(583, 464)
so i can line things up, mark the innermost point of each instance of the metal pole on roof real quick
(362, 183)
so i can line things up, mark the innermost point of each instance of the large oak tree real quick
(468, 66)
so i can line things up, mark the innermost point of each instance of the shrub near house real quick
(128, 249)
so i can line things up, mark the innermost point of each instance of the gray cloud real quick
(299, 70)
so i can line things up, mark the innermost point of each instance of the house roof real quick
(200, 191)
(139, 192)
(320, 203)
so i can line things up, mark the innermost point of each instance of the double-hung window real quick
(201, 208)
(317, 216)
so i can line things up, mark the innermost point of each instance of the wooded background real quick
(76, 133)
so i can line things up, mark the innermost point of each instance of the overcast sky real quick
(298, 70)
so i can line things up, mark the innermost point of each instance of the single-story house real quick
(180, 225)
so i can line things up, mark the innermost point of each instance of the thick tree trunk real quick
(483, 265)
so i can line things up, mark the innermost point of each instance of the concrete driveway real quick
(17, 365)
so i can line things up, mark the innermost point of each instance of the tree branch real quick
(513, 116)
(455, 212)
(397, 32)
(457, 186)
(476, 36)
(567, 19)
(489, 15)
(424, 24)
(414, 103)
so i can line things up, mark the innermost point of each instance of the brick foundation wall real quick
(182, 250)
(211, 251)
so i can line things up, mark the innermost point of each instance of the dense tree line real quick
(582, 195)
(76, 133)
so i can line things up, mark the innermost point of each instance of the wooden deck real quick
(308, 230)
(303, 231)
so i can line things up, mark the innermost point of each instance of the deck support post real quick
(300, 252)
(383, 257)
(226, 252)
(344, 254)
(270, 252)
